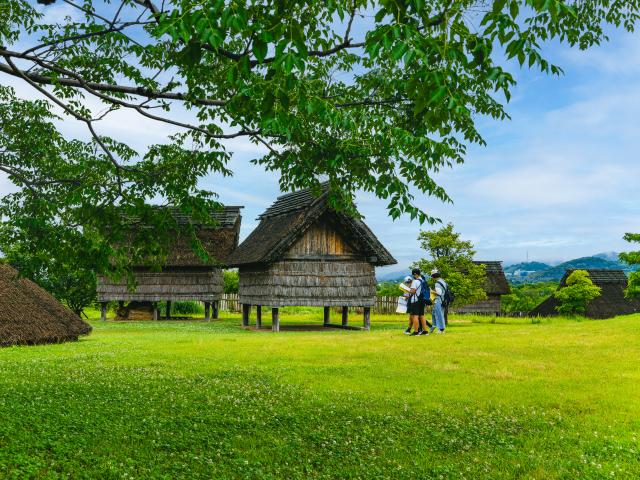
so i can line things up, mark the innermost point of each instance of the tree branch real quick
(103, 87)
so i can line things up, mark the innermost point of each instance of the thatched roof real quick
(287, 220)
(496, 283)
(30, 315)
(610, 303)
(218, 241)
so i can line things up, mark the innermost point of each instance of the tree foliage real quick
(388, 289)
(577, 294)
(71, 282)
(231, 279)
(632, 258)
(525, 297)
(453, 258)
(371, 95)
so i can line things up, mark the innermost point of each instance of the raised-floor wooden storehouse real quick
(495, 286)
(184, 277)
(29, 315)
(303, 253)
(610, 303)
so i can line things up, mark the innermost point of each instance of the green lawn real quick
(511, 399)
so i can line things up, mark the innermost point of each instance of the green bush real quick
(525, 297)
(579, 291)
(182, 308)
(230, 278)
(388, 289)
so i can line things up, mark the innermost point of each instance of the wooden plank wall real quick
(321, 239)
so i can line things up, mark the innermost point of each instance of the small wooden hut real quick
(610, 303)
(495, 286)
(29, 315)
(184, 277)
(303, 253)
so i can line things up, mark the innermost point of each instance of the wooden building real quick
(305, 254)
(495, 286)
(29, 315)
(610, 303)
(184, 277)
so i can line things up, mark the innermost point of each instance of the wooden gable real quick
(322, 239)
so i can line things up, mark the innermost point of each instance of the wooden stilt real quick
(258, 316)
(275, 320)
(246, 311)
(167, 314)
(156, 311)
(327, 316)
(345, 316)
(216, 310)
(367, 318)
(103, 311)
(207, 311)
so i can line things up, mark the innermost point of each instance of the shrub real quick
(577, 294)
(230, 279)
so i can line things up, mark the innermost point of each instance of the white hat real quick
(408, 279)
(434, 272)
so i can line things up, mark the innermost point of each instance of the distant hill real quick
(515, 273)
(395, 276)
(554, 274)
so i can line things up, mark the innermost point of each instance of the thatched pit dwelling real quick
(29, 315)
(610, 303)
(495, 286)
(184, 277)
(305, 254)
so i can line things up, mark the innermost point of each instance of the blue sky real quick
(556, 182)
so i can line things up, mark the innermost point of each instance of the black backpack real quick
(448, 298)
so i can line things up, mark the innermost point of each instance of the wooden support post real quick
(167, 314)
(156, 311)
(327, 316)
(275, 320)
(246, 312)
(216, 310)
(345, 316)
(103, 311)
(367, 318)
(258, 316)
(207, 311)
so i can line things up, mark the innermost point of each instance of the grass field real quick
(511, 399)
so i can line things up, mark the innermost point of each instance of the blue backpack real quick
(425, 292)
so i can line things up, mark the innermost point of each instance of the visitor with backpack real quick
(443, 298)
(418, 300)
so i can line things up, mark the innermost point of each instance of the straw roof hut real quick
(610, 303)
(306, 254)
(495, 286)
(29, 315)
(184, 276)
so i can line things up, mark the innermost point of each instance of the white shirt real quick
(439, 287)
(417, 284)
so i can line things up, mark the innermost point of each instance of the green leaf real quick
(260, 49)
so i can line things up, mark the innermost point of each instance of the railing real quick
(230, 302)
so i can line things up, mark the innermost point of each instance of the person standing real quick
(417, 304)
(440, 288)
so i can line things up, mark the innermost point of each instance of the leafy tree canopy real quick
(577, 294)
(373, 95)
(525, 297)
(388, 289)
(632, 258)
(231, 279)
(453, 258)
